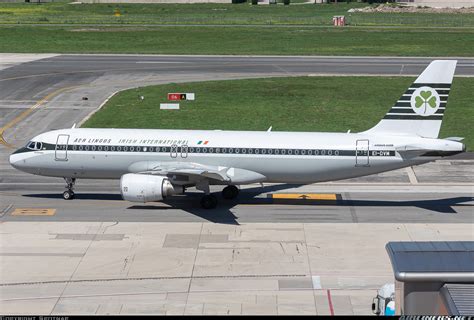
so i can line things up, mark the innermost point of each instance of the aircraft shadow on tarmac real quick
(222, 214)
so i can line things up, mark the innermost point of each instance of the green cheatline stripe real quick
(411, 111)
(408, 104)
(412, 117)
(433, 85)
(410, 91)
(200, 142)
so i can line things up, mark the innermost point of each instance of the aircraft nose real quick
(16, 158)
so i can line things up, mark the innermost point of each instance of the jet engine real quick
(145, 187)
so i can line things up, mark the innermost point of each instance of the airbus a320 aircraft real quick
(155, 164)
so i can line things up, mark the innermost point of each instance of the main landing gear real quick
(230, 192)
(209, 201)
(69, 193)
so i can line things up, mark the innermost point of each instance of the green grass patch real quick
(218, 14)
(238, 40)
(334, 104)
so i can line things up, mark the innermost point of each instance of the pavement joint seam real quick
(66, 283)
(5, 210)
(310, 271)
(154, 278)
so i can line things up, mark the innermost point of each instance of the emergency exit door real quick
(362, 153)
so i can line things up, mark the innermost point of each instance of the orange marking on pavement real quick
(33, 212)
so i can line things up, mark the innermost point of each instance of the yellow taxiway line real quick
(25, 113)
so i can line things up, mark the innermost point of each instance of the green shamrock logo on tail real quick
(425, 99)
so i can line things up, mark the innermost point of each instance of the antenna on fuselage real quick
(73, 126)
(269, 129)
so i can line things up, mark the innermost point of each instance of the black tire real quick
(230, 192)
(209, 202)
(68, 195)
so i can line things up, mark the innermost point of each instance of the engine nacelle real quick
(145, 187)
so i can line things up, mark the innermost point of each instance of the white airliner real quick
(154, 164)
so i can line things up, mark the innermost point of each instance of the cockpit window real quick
(32, 145)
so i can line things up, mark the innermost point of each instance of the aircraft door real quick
(362, 153)
(61, 147)
(184, 151)
(174, 151)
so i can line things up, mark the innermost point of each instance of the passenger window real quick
(290, 151)
(132, 149)
(191, 149)
(250, 151)
(237, 150)
(283, 151)
(74, 148)
(106, 148)
(80, 148)
(297, 151)
(211, 150)
(112, 148)
(99, 148)
(263, 151)
(93, 148)
(87, 148)
(244, 150)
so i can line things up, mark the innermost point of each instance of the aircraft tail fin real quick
(420, 110)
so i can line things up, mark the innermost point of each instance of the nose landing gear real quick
(69, 193)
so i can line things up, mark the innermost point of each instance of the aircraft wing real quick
(196, 171)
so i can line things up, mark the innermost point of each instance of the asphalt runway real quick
(98, 254)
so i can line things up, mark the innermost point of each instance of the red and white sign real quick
(180, 96)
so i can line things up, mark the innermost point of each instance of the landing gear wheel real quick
(209, 201)
(68, 195)
(230, 192)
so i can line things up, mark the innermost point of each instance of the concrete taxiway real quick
(100, 255)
